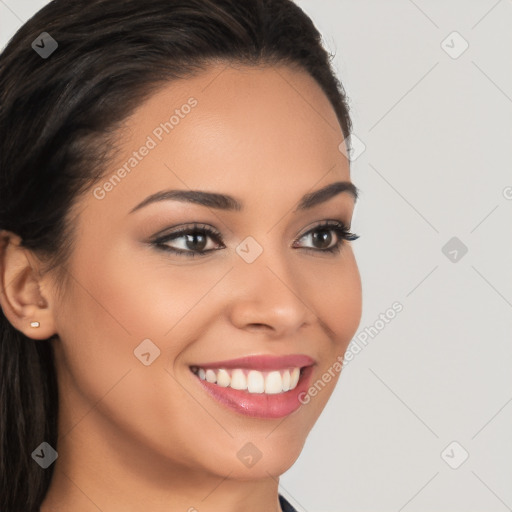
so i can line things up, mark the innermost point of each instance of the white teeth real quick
(238, 380)
(294, 378)
(223, 378)
(286, 380)
(273, 383)
(254, 381)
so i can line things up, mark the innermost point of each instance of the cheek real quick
(104, 318)
(337, 298)
(143, 293)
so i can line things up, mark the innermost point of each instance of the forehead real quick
(241, 129)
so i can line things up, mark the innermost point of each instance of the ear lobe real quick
(21, 298)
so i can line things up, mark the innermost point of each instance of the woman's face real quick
(138, 320)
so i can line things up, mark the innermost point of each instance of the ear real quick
(23, 291)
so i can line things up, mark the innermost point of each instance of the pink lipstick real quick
(259, 386)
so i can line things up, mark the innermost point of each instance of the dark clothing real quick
(285, 505)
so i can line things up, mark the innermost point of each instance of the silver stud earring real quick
(34, 324)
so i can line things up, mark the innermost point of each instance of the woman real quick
(176, 269)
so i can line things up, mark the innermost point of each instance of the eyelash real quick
(342, 233)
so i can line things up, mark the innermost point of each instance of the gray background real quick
(437, 164)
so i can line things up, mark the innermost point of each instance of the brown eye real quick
(322, 237)
(196, 241)
(190, 241)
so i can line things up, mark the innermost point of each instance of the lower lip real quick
(260, 405)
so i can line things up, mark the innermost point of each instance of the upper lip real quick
(262, 362)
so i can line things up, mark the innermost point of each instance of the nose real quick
(268, 295)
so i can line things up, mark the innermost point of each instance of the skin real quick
(135, 437)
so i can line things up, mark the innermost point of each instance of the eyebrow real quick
(227, 202)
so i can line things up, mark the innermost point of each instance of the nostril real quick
(259, 327)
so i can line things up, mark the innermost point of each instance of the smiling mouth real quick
(252, 381)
